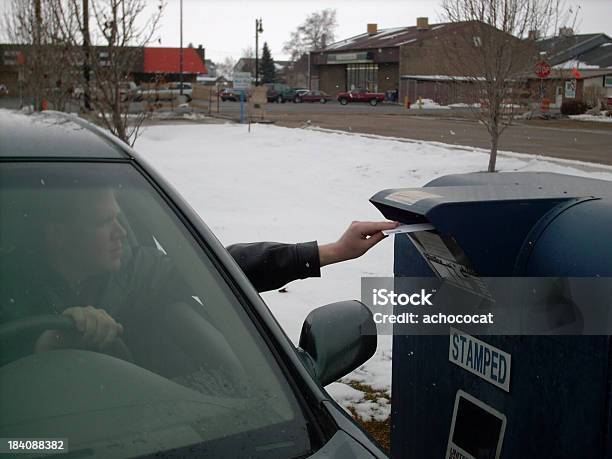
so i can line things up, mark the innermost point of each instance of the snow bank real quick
(464, 105)
(428, 104)
(596, 118)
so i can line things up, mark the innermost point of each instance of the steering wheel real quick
(35, 325)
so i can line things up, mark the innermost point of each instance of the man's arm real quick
(270, 265)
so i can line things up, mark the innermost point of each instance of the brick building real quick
(412, 60)
(146, 63)
(385, 60)
(581, 69)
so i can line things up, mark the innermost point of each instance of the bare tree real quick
(122, 41)
(226, 68)
(490, 53)
(109, 37)
(42, 53)
(314, 33)
(248, 65)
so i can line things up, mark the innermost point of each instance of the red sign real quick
(576, 73)
(542, 69)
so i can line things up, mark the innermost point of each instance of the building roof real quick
(167, 60)
(584, 51)
(244, 62)
(386, 38)
(249, 63)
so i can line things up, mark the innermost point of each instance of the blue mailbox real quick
(530, 396)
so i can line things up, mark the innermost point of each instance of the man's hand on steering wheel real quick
(97, 330)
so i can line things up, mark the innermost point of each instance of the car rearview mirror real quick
(336, 339)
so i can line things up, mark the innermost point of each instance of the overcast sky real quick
(226, 27)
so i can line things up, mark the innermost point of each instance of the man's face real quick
(96, 243)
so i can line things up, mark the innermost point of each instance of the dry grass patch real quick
(379, 430)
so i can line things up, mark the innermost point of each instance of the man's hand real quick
(98, 329)
(356, 240)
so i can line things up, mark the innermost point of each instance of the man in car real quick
(85, 274)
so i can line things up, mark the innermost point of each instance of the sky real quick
(227, 27)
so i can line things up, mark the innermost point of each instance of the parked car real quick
(313, 96)
(361, 95)
(169, 92)
(204, 369)
(272, 94)
(230, 94)
(175, 88)
(287, 94)
(279, 92)
(128, 91)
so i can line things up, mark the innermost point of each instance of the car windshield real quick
(190, 369)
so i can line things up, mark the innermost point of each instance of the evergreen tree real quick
(266, 66)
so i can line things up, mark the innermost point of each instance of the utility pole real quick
(38, 19)
(258, 30)
(181, 52)
(86, 56)
(38, 55)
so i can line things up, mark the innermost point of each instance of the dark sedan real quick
(231, 95)
(199, 366)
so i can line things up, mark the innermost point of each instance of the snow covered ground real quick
(597, 118)
(291, 185)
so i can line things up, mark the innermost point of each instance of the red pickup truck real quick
(360, 95)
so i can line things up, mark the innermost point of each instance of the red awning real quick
(167, 60)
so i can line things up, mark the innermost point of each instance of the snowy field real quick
(291, 185)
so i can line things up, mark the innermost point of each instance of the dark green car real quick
(200, 369)
(279, 92)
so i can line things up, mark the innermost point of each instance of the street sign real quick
(542, 69)
(242, 80)
(570, 89)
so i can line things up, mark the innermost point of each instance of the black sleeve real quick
(270, 265)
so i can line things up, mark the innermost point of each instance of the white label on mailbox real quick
(410, 197)
(409, 228)
(480, 358)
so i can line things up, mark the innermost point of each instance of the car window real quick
(192, 369)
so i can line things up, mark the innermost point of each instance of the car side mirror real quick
(336, 339)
